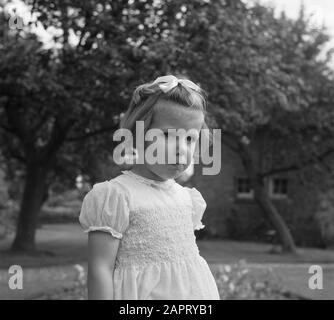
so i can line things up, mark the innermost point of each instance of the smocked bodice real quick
(158, 235)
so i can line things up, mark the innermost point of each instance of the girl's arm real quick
(102, 251)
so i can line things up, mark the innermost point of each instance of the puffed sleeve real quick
(199, 206)
(105, 208)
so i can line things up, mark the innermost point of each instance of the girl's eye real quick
(190, 139)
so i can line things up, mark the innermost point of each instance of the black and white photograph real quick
(177, 150)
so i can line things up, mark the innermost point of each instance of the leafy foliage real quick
(236, 282)
(59, 106)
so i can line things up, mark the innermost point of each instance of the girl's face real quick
(178, 142)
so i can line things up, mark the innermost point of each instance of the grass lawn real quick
(230, 251)
(64, 245)
(61, 243)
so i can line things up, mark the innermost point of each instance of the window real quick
(244, 189)
(278, 188)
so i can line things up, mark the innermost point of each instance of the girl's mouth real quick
(177, 166)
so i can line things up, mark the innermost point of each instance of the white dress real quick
(158, 258)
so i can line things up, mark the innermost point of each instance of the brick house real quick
(233, 213)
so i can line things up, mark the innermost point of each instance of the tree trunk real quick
(274, 217)
(32, 200)
(262, 198)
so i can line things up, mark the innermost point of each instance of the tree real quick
(266, 78)
(57, 105)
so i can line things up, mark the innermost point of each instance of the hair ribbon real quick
(167, 83)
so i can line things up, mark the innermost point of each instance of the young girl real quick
(141, 224)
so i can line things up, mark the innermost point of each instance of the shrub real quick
(235, 282)
(325, 217)
(62, 207)
(8, 208)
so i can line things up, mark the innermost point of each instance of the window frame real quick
(272, 187)
(243, 195)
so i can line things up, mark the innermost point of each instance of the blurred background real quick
(67, 71)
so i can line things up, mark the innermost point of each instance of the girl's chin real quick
(169, 171)
(174, 171)
(176, 167)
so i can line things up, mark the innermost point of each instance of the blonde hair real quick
(146, 96)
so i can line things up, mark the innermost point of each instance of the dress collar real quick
(153, 183)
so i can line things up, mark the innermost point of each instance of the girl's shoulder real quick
(105, 208)
(198, 207)
(195, 196)
(109, 190)
(122, 183)
(114, 185)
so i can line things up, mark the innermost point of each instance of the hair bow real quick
(166, 83)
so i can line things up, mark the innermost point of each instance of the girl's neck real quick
(143, 171)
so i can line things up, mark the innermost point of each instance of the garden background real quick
(269, 80)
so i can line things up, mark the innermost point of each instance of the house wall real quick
(242, 219)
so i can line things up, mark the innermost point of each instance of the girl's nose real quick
(181, 152)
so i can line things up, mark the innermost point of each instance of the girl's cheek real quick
(163, 146)
(192, 149)
(170, 149)
(190, 153)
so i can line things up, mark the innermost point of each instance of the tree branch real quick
(15, 154)
(320, 158)
(93, 133)
(57, 138)
(18, 128)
